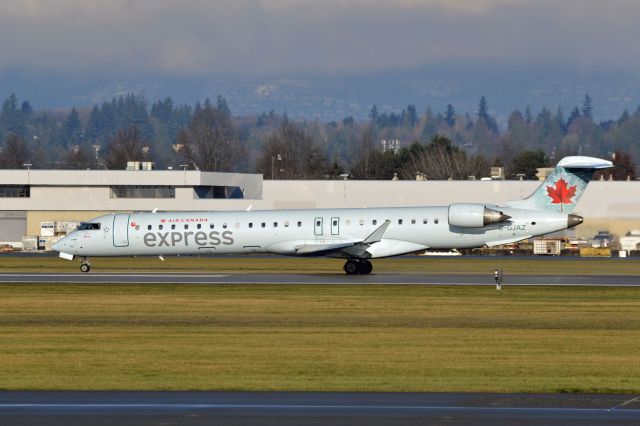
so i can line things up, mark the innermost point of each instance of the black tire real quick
(366, 267)
(351, 267)
(85, 267)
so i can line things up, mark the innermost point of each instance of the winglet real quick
(377, 234)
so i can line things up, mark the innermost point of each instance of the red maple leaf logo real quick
(163, 220)
(562, 193)
(133, 224)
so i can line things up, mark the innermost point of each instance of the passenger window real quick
(275, 224)
(413, 221)
(299, 224)
(199, 226)
(399, 221)
(435, 221)
(250, 224)
(286, 224)
(335, 223)
(318, 223)
(211, 226)
(375, 222)
(173, 226)
(186, 226)
(224, 226)
(263, 224)
(424, 221)
(160, 227)
(148, 227)
(361, 221)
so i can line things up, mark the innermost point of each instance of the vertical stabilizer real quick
(563, 188)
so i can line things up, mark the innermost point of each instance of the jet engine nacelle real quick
(474, 215)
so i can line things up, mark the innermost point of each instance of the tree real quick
(82, 157)
(373, 114)
(12, 120)
(290, 153)
(412, 115)
(483, 115)
(72, 133)
(15, 152)
(366, 146)
(587, 107)
(450, 116)
(127, 145)
(527, 163)
(442, 160)
(211, 142)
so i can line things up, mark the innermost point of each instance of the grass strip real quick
(360, 338)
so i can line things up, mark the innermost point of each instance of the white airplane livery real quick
(356, 235)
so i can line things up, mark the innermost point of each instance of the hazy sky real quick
(326, 37)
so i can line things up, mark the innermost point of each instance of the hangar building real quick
(30, 197)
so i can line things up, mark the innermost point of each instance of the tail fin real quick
(563, 188)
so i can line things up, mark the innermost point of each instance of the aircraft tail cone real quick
(574, 220)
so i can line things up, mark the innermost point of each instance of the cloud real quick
(269, 37)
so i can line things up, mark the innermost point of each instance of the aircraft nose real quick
(58, 245)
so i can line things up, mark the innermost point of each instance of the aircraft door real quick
(121, 230)
(317, 226)
(335, 226)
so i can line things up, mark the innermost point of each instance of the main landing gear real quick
(85, 266)
(353, 267)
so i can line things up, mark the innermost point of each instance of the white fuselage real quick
(284, 231)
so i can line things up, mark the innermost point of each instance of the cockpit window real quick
(88, 227)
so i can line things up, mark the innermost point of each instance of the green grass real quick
(414, 264)
(366, 338)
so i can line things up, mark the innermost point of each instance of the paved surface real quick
(314, 408)
(337, 278)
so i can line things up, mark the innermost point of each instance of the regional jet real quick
(356, 235)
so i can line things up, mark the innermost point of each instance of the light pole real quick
(273, 159)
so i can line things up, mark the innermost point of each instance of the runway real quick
(315, 408)
(319, 279)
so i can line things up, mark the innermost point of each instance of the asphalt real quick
(328, 279)
(314, 408)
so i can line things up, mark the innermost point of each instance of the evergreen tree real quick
(373, 114)
(450, 116)
(587, 107)
(412, 115)
(71, 133)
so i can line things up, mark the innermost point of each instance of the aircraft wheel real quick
(365, 267)
(351, 267)
(85, 267)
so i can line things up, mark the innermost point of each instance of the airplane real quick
(354, 234)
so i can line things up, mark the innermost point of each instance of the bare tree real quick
(290, 153)
(441, 160)
(127, 145)
(210, 142)
(364, 155)
(15, 152)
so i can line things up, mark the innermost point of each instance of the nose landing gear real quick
(353, 267)
(85, 266)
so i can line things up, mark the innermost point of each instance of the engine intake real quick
(474, 215)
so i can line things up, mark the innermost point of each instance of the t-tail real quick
(563, 188)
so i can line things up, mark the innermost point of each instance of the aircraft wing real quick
(355, 248)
